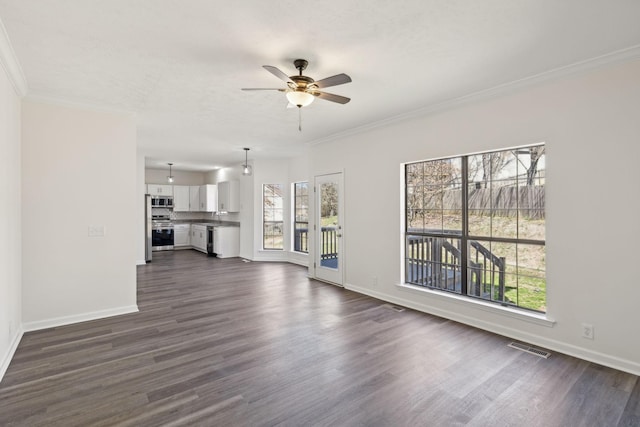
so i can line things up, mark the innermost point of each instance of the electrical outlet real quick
(11, 328)
(374, 281)
(587, 331)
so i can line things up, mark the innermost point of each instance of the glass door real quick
(329, 254)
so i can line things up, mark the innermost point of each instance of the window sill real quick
(514, 313)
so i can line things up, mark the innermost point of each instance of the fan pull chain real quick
(300, 118)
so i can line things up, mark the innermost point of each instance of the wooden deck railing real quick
(329, 243)
(301, 237)
(435, 262)
(328, 236)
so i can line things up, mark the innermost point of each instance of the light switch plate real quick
(96, 231)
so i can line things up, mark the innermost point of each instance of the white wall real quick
(298, 172)
(283, 171)
(141, 190)
(10, 220)
(227, 174)
(270, 172)
(159, 176)
(591, 125)
(78, 170)
(245, 216)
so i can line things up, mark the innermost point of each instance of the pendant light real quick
(246, 167)
(170, 177)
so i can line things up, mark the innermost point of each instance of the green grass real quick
(525, 284)
(531, 293)
(328, 221)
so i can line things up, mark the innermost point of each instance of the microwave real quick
(162, 202)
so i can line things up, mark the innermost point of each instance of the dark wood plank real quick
(223, 342)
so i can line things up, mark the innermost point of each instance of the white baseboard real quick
(625, 365)
(304, 263)
(272, 259)
(77, 318)
(6, 359)
(143, 262)
(269, 259)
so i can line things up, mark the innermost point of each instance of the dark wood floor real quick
(228, 343)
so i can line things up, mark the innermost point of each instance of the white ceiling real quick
(180, 64)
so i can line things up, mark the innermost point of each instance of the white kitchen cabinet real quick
(182, 235)
(229, 196)
(160, 190)
(226, 241)
(194, 198)
(181, 198)
(208, 198)
(199, 237)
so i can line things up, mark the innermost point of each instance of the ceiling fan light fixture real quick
(301, 90)
(300, 98)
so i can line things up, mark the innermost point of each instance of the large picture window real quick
(301, 217)
(475, 226)
(272, 217)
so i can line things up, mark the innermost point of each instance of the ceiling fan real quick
(302, 90)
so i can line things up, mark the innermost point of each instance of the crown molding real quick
(620, 56)
(10, 64)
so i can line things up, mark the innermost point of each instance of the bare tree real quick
(535, 153)
(484, 168)
(426, 184)
(329, 193)
(493, 164)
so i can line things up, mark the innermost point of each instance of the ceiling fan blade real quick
(262, 88)
(279, 74)
(331, 97)
(338, 79)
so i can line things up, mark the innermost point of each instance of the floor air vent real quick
(395, 307)
(528, 349)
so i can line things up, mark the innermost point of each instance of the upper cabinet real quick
(160, 190)
(208, 198)
(229, 196)
(194, 198)
(181, 198)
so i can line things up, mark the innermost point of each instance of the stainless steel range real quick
(162, 234)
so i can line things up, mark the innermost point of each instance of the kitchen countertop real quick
(211, 223)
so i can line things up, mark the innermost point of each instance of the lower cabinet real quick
(199, 237)
(182, 235)
(226, 241)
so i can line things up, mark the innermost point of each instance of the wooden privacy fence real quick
(529, 201)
